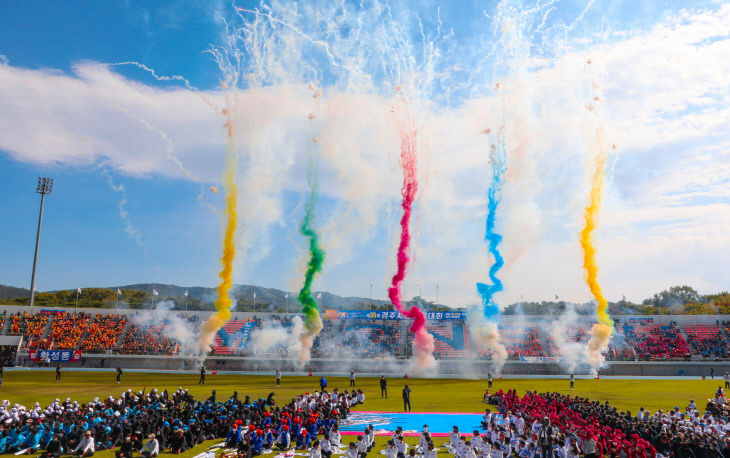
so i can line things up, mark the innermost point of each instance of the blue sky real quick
(134, 158)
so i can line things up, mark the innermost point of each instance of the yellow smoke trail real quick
(223, 303)
(601, 331)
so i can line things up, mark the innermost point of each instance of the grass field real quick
(429, 395)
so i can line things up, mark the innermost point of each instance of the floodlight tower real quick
(45, 186)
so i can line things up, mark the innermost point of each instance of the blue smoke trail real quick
(497, 159)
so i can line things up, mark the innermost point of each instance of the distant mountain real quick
(271, 297)
(10, 292)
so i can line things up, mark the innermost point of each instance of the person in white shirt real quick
(467, 451)
(352, 451)
(454, 437)
(151, 448)
(315, 451)
(326, 446)
(335, 437)
(430, 452)
(401, 446)
(460, 447)
(423, 442)
(476, 442)
(278, 377)
(86, 446)
(390, 450)
(370, 436)
(362, 446)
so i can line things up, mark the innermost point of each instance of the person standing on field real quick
(58, 372)
(202, 376)
(406, 399)
(489, 379)
(352, 378)
(278, 377)
(119, 375)
(572, 381)
(384, 387)
(727, 380)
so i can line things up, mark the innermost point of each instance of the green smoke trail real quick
(312, 320)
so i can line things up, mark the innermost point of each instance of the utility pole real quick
(45, 186)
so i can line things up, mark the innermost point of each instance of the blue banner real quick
(389, 315)
(55, 355)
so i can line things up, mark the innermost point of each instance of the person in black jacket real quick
(177, 442)
(119, 375)
(202, 376)
(53, 449)
(383, 387)
(127, 448)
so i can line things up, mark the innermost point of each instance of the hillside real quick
(9, 292)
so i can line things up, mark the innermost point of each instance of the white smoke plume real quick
(485, 334)
(175, 326)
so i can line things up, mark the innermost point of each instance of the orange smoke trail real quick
(223, 303)
(601, 331)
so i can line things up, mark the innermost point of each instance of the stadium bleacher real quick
(647, 339)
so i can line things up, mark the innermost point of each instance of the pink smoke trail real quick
(423, 341)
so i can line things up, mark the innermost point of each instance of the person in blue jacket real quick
(257, 444)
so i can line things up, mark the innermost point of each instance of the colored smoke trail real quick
(494, 195)
(312, 320)
(485, 326)
(423, 344)
(223, 303)
(601, 331)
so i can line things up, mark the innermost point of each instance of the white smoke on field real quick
(273, 338)
(485, 335)
(571, 350)
(174, 326)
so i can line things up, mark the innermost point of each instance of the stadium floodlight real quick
(45, 186)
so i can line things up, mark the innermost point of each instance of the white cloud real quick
(665, 214)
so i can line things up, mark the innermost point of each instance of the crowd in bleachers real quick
(657, 342)
(67, 329)
(530, 345)
(363, 338)
(32, 326)
(707, 341)
(147, 340)
(372, 338)
(104, 332)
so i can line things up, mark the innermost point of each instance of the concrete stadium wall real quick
(395, 367)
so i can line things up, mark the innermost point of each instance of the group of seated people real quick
(104, 331)
(67, 329)
(309, 422)
(144, 340)
(661, 342)
(26, 324)
(150, 422)
(357, 337)
(574, 426)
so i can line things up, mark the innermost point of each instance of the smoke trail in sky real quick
(423, 344)
(223, 303)
(312, 320)
(484, 326)
(601, 331)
